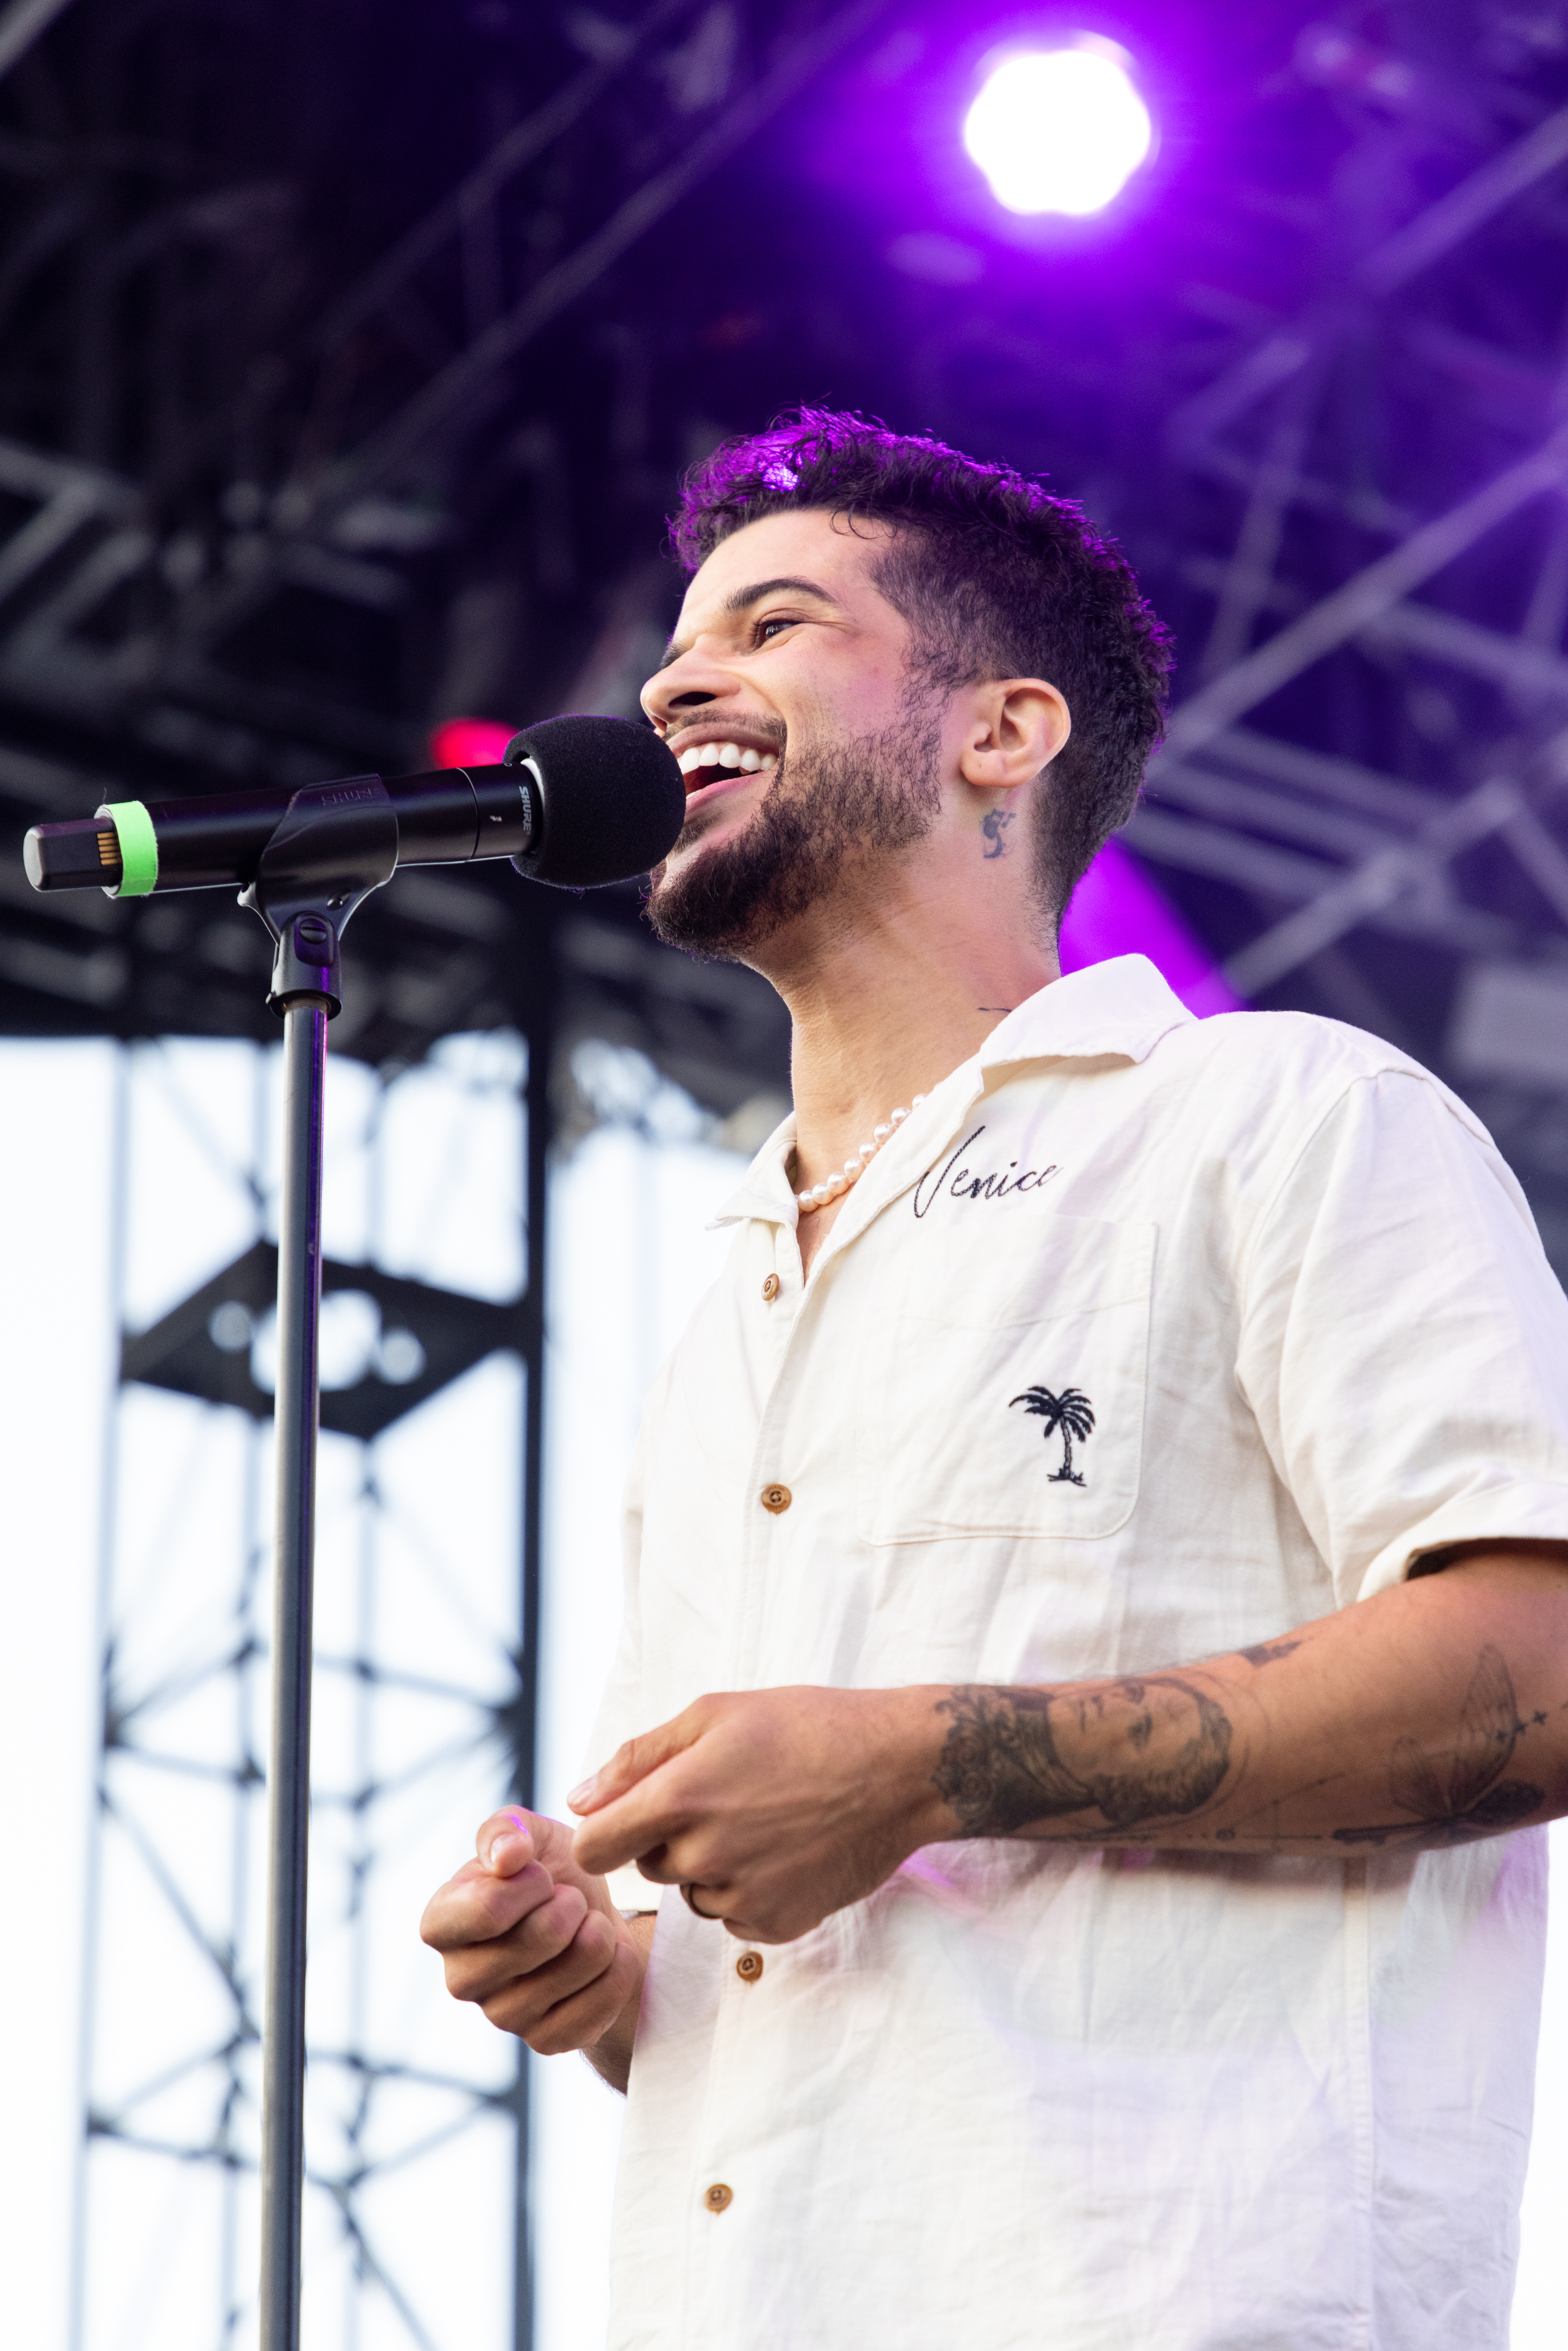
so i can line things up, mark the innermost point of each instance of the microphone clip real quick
(335, 843)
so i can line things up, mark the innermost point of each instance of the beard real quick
(831, 808)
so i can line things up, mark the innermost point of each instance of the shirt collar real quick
(764, 1190)
(1117, 1012)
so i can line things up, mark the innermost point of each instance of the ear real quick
(1018, 726)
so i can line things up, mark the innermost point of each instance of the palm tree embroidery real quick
(1070, 1415)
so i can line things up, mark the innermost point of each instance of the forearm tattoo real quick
(1458, 1794)
(1156, 1748)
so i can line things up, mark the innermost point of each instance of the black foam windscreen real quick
(614, 800)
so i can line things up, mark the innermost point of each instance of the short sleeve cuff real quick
(1527, 1510)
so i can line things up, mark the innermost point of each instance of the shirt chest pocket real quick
(1004, 1395)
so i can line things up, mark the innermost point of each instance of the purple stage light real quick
(1116, 910)
(1059, 130)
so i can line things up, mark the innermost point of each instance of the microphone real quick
(577, 802)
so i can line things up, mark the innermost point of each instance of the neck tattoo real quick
(853, 1169)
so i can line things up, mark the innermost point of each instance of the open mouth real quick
(711, 763)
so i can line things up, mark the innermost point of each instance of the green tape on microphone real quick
(138, 847)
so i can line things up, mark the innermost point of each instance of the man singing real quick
(1097, 1588)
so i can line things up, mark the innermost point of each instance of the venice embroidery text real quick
(967, 1186)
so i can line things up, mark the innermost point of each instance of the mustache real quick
(772, 729)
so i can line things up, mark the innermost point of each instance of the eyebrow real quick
(741, 600)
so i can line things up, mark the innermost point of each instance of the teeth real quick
(727, 754)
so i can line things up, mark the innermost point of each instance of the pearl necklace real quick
(853, 1169)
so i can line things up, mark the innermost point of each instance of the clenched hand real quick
(533, 1938)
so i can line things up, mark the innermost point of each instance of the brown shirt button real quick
(776, 1499)
(771, 1287)
(718, 2198)
(749, 1966)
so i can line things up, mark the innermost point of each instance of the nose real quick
(685, 684)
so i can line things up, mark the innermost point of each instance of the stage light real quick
(469, 742)
(1059, 130)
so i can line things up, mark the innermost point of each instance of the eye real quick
(762, 632)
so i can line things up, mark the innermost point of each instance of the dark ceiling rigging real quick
(352, 355)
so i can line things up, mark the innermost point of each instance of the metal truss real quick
(343, 433)
(255, 452)
(234, 439)
(424, 1711)
(1391, 875)
(1362, 790)
(124, 595)
(1362, 848)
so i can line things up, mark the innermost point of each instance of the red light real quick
(469, 742)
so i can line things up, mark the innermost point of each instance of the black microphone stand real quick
(615, 809)
(336, 844)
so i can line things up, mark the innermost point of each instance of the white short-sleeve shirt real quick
(1107, 2100)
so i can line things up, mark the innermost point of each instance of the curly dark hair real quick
(994, 578)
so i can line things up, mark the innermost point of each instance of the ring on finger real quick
(689, 1897)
